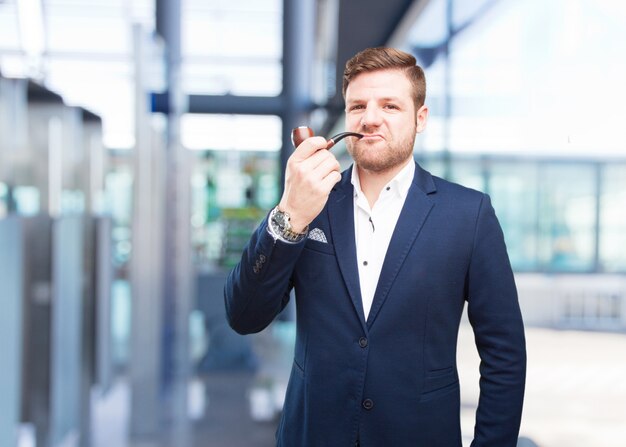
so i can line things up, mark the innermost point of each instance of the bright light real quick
(231, 132)
(30, 16)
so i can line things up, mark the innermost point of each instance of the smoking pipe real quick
(299, 134)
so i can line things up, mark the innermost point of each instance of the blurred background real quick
(141, 141)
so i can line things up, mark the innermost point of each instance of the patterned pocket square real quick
(318, 235)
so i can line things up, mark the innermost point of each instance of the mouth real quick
(372, 137)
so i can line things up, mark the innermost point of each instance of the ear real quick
(420, 118)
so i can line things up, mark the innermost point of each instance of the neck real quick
(373, 182)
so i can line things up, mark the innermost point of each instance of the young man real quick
(383, 258)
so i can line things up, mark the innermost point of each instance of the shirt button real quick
(363, 342)
(364, 262)
(368, 404)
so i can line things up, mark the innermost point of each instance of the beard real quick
(370, 156)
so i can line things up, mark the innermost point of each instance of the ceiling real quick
(86, 53)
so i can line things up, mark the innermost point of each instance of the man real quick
(382, 259)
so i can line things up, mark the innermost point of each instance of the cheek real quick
(352, 122)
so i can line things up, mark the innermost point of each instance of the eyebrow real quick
(383, 99)
(391, 98)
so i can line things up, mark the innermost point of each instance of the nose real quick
(371, 117)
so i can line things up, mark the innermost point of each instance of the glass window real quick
(232, 47)
(4, 205)
(27, 200)
(613, 219)
(567, 217)
(231, 132)
(119, 197)
(430, 29)
(433, 164)
(9, 31)
(513, 187)
(220, 76)
(434, 137)
(231, 192)
(468, 172)
(521, 75)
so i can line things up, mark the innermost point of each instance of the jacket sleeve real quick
(494, 313)
(258, 287)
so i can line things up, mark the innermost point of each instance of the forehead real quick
(379, 83)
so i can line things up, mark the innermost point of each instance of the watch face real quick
(281, 220)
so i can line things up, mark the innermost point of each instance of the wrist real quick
(280, 227)
(297, 225)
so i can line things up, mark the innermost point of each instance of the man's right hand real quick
(311, 173)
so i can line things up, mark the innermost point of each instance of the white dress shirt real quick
(374, 228)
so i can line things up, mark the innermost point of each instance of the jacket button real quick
(363, 342)
(255, 269)
(262, 258)
(368, 404)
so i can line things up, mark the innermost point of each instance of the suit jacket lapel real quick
(416, 208)
(341, 217)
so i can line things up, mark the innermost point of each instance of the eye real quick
(356, 107)
(391, 106)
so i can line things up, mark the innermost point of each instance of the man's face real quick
(379, 104)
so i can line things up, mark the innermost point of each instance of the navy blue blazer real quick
(391, 380)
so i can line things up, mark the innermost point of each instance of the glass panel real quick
(246, 78)
(232, 47)
(88, 56)
(430, 29)
(567, 211)
(27, 200)
(113, 99)
(121, 308)
(434, 136)
(230, 34)
(67, 328)
(231, 132)
(513, 89)
(11, 330)
(231, 192)
(513, 188)
(468, 172)
(4, 200)
(119, 196)
(88, 35)
(9, 31)
(432, 164)
(613, 219)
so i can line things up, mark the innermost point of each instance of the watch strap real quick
(284, 234)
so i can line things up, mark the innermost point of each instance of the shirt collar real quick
(400, 184)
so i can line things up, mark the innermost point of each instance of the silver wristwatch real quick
(280, 227)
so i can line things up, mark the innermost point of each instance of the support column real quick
(147, 257)
(177, 270)
(298, 56)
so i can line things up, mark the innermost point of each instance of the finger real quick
(326, 165)
(308, 147)
(330, 181)
(319, 157)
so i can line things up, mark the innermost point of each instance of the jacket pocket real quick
(434, 373)
(439, 382)
(320, 247)
(440, 392)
